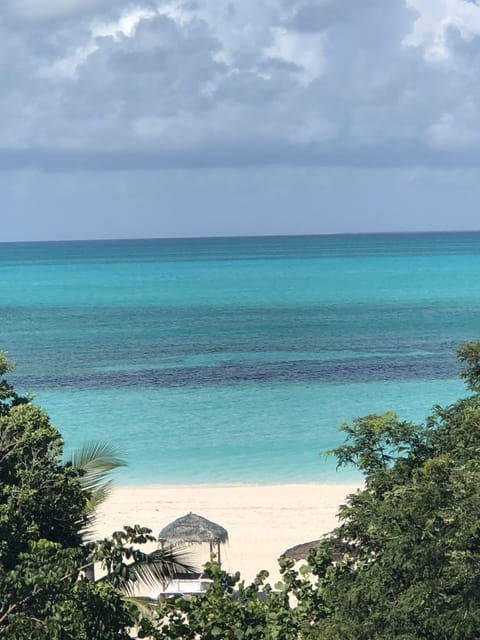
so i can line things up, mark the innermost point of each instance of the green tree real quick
(45, 507)
(411, 539)
(40, 498)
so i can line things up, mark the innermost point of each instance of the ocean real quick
(235, 360)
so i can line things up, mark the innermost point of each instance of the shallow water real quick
(235, 360)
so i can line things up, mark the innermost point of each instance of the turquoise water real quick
(236, 359)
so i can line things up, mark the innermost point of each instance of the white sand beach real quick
(262, 521)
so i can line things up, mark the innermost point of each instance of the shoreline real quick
(152, 486)
(262, 520)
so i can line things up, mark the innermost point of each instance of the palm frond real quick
(157, 567)
(98, 495)
(164, 564)
(96, 460)
(146, 606)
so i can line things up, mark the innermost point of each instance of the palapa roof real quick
(193, 529)
(300, 551)
(341, 548)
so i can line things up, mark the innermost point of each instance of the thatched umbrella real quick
(300, 551)
(194, 529)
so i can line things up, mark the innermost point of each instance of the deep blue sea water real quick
(236, 359)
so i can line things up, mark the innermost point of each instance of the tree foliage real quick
(40, 498)
(411, 538)
(232, 610)
(45, 506)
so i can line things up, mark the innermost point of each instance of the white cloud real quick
(124, 26)
(304, 50)
(242, 82)
(435, 18)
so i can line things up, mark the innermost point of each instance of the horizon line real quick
(249, 236)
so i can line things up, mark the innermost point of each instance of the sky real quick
(168, 118)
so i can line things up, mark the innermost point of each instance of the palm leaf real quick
(96, 460)
(146, 606)
(162, 565)
(156, 568)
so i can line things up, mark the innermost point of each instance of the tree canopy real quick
(411, 538)
(45, 506)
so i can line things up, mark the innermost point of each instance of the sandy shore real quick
(262, 521)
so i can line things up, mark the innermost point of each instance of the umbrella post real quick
(215, 557)
(89, 572)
